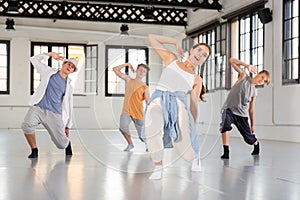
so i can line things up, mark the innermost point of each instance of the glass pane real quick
(295, 69)
(247, 41)
(295, 24)
(3, 60)
(223, 80)
(3, 73)
(115, 57)
(255, 38)
(260, 38)
(260, 53)
(288, 49)
(242, 26)
(254, 22)
(93, 63)
(287, 70)
(295, 48)
(94, 51)
(218, 47)
(218, 32)
(295, 8)
(242, 43)
(223, 52)
(3, 85)
(223, 34)
(3, 49)
(247, 57)
(254, 57)
(288, 12)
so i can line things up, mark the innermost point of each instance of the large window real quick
(220, 56)
(247, 41)
(4, 67)
(214, 74)
(290, 71)
(84, 80)
(117, 55)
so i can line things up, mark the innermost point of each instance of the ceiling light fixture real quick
(12, 7)
(148, 15)
(124, 30)
(10, 24)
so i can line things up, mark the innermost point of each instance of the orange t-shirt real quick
(133, 99)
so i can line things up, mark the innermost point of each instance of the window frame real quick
(7, 43)
(212, 60)
(127, 48)
(287, 73)
(49, 45)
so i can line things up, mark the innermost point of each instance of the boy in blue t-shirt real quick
(51, 104)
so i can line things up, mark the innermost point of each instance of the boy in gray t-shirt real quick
(240, 102)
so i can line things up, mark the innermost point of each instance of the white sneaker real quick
(156, 174)
(196, 165)
(129, 147)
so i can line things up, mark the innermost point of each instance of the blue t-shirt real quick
(53, 97)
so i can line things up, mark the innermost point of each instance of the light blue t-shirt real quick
(53, 97)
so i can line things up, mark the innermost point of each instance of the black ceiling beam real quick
(215, 5)
(71, 10)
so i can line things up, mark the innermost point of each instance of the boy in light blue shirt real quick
(51, 104)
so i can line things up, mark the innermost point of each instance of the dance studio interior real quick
(104, 34)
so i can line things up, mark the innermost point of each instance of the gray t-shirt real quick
(240, 96)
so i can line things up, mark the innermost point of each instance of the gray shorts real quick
(126, 119)
(50, 120)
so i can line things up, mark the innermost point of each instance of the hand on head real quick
(130, 67)
(252, 69)
(179, 50)
(56, 56)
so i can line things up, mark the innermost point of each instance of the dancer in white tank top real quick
(168, 122)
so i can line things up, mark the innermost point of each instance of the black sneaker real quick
(34, 153)
(256, 150)
(69, 150)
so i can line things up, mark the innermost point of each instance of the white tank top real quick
(173, 79)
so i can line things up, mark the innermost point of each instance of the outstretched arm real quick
(118, 72)
(158, 41)
(236, 66)
(251, 113)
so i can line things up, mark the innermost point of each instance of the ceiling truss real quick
(171, 12)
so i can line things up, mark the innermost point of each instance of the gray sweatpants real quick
(50, 120)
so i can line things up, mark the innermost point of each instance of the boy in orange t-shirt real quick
(136, 92)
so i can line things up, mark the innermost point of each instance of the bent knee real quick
(62, 145)
(27, 129)
(250, 141)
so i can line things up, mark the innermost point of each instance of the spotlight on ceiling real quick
(124, 30)
(10, 24)
(12, 7)
(148, 15)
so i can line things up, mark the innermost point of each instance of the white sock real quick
(129, 147)
(196, 165)
(157, 173)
